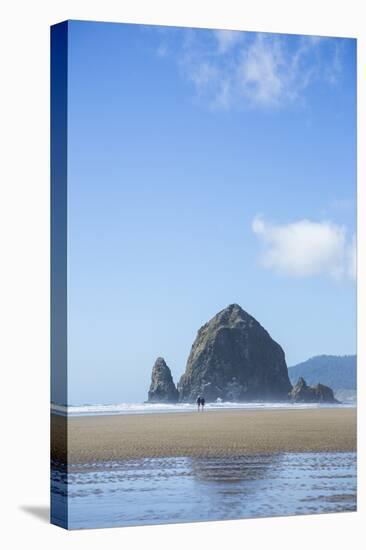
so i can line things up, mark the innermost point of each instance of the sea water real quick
(173, 490)
(150, 408)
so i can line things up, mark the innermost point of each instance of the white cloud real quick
(305, 248)
(232, 69)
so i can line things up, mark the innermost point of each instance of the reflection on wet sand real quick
(169, 490)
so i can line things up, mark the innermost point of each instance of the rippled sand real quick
(148, 491)
(208, 434)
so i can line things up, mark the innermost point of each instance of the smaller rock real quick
(302, 393)
(162, 388)
(325, 394)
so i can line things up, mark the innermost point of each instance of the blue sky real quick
(205, 168)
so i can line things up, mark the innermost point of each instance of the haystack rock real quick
(162, 388)
(234, 359)
(302, 393)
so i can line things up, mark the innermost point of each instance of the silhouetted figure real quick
(202, 403)
(198, 402)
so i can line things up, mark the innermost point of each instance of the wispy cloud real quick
(162, 50)
(343, 206)
(263, 73)
(226, 40)
(232, 69)
(334, 69)
(306, 248)
(352, 259)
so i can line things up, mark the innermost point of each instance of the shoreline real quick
(234, 432)
(158, 408)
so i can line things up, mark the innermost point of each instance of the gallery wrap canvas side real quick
(59, 100)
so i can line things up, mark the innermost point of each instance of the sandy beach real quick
(215, 433)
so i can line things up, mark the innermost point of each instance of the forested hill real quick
(338, 372)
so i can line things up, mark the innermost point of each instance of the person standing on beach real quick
(198, 402)
(202, 403)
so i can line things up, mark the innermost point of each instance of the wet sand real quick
(93, 439)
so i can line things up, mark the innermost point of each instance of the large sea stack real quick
(162, 388)
(234, 359)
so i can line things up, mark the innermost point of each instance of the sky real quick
(205, 168)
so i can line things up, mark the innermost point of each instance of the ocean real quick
(150, 408)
